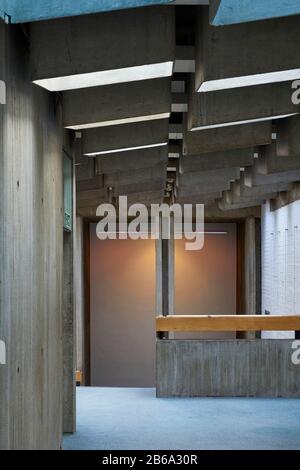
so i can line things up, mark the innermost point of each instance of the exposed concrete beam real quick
(185, 59)
(201, 199)
(179, 103)
(202, 189)
(130, 161)
(112, 138)
(154, 185)
(214, 213)
(240, 190)
(286, 197)
(176, 131)
(156, 173)
(241, 204)
(101, 43)
(226, 53)
(269, 163)
(84, 198)
(175, 150)
(227, 138)
(205, 177)
(85, 170)
(288, 137)
(97, 182)
(252, 178)
(219, 108)
(217, 160)
(136, 101)
(146, 197)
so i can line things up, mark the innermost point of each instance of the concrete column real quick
(79, 297)
(69, 324)
(69, 349)
(4, 320)
(165, 274)
(252, 269)
(31, 253)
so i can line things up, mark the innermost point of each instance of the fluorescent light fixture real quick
(247, 121)
(107, 77)
(115, 122)
(249, 80)
(105, 152)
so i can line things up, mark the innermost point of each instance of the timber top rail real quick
(228, 323)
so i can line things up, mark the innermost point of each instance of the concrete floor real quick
(132, 418)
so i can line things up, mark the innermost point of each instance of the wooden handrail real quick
(227, 323)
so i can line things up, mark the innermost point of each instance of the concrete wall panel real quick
(262, 368)
(31, 253)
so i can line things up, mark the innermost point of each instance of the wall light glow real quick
(107, 77)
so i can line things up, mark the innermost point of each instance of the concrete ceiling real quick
(156, 138)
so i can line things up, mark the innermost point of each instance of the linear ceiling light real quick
(235, 123)
(94, 154)
(107, 77)
(249, 80)
(149, 117)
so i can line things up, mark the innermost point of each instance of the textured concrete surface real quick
(226, 368)
(132, 418)
(218, 50)
(31, 254)
(115, 102)
(96, 42)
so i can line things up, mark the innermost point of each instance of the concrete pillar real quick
(165, 274)
(252, 269)
(69, 305)
(79, 292)
(31, 253)
(69, 336)
(4, 319)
